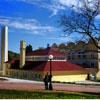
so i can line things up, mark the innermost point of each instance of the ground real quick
(34, 85)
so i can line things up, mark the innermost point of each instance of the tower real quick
(22, 54)
(3, 49)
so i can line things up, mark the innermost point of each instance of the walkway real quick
(34, 85)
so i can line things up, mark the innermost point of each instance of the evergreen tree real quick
(28, 48)
(40, 48)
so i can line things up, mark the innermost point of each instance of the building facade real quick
(83, 54)
(35, 65)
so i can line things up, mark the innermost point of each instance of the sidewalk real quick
(36, 85)
(32, 81)
(87, 82)
(20, 80)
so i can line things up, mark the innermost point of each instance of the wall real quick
(63, 76)
(23, 74)
(68, 78)
(98, 74)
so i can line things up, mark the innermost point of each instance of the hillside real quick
(12, 55)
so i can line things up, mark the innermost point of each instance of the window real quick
(35, 75)
(39, 76)
(84, 65)
(73, 55)
(10, 73)
(79, 56)
(46, 58)
(83, 56)
(24, 75)
(69, 54)
(7, 66)
(78, 63)
(55, 58)
(32, 75)
(7, 72)
(59, 58)
(92, 56)
(16, 74)
(69, 58)
(32, 58)
(92, 65)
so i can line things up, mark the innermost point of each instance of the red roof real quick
(47, 51)
(12, 61)
(92, 69)
(45, 66)
(58, 66)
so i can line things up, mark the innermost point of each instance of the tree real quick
(83, 19)
(54, 45)
(41, 48)
(28, 48)
(62, 46)
(12, 55)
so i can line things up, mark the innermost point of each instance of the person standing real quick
(46, 80)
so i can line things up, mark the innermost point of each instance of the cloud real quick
(64, 39)
(30, 25)
(52, 5)
(66, 3)
(56, 5)
(98, 17)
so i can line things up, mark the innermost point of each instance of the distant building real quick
(84, 54)
(35, 65)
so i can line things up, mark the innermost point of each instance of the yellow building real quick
(36, 64)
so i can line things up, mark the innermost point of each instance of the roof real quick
(12, 61)
(45, 66)
(92, 69)
(58, 66)
(47, 51)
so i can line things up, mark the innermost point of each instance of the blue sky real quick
(33, 21)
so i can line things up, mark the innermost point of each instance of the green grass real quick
(43, 94)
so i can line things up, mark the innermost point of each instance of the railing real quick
(84, 54)
(45, 58)
(83, 60)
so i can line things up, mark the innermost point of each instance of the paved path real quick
(56, 86)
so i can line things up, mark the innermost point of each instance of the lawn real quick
(43, 94)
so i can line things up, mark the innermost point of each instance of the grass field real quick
(43, 94)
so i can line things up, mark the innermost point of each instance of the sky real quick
(34, 21)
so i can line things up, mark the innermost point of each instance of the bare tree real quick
(83, 19)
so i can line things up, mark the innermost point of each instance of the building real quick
(3, 49)
(83, 54)
(36, 64)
